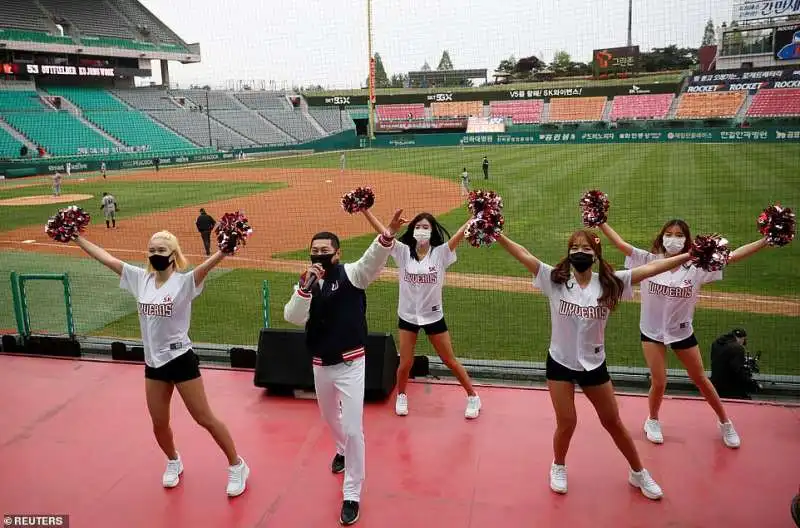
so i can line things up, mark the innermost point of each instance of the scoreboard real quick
(615, 60)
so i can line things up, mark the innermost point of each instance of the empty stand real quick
(520, 112)
(331, 118)
(195, 127)
(23, 14)
(252, 126)
(775, 102)
(459, 109)
(400, 111)
(576, 109)
(147, 99)
(135, 129)
(61, 133)
(294, 123)
(263, 100)
(146, 23)
(648, 106)
(215, 100)
(9, 146)
(91, 17)
(20, 100)
(705, 105)
(88, 98)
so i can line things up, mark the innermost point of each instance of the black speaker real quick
(52, 346)
(382, 362)
(120, 352)
(9, 343)
(283, 364)
(421, 367)
(243, 358)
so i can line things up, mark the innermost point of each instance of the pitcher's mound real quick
(44, 199)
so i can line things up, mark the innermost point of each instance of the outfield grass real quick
(134, 198)
(715, 188)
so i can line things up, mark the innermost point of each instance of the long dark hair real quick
(612, 285)
(658, 244)
(439, 235)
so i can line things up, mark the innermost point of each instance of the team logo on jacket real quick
(584, 312)
(680, 292)
(422, 278)
(162, 309)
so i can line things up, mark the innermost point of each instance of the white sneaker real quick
(172, 475)
(401, 405)
(558, 478)
(645, 483)
(729, 435)
(653, 430)
(237, 478)
(473, 407)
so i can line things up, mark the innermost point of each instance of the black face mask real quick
(160, 262)
(581, 261)
(324, 260)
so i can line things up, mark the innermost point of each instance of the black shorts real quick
(439, 327)
(683, 344)
(555, 371)
(185, 367)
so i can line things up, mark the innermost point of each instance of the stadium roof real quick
(116, 28)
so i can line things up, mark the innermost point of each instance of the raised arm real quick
(456, 239)
(201, 271)
(374, 222)
(656, 267)
(363, 272)
(747, 250)
(617, 240)
(521, 254)
(100, 254)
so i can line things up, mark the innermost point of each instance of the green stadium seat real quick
(60, 133)
(9, 146)
(20, 100)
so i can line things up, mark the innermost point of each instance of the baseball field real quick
(490, 306)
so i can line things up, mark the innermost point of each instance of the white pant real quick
(343, 384)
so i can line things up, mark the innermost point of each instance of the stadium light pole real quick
(371, 81)
(630, 22)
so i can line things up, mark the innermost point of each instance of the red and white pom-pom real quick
(777, 224)
(595, 206)
(67, 223)
(358, 200)
(232, 232)
(710, 252)
(484, 228)
(480, 201)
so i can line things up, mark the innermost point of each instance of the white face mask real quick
(673, 245)
(422, 235)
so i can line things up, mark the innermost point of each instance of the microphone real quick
(311, 280)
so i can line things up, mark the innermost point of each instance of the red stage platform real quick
(75, 438)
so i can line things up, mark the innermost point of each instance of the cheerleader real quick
(667, 311)
(580, 303)
(422, 255)
(164, 298)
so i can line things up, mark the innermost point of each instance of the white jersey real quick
(668, 299)
(577, 336)
(164, 313)
(109, 204)
(421, 283)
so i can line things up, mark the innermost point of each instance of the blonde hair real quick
(171, 241)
